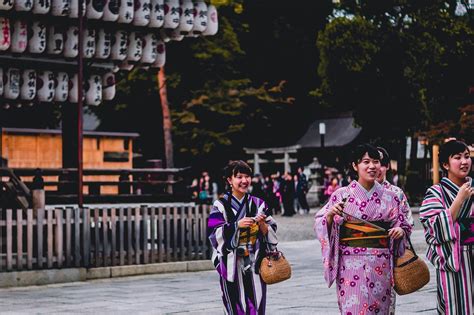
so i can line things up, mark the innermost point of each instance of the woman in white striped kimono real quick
(447, 216)
(240, 230)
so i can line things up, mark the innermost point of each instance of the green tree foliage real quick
(409, 63)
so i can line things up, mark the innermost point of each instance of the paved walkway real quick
(198, 293)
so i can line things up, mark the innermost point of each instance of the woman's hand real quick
(335, 210)
(262, 225)
(465, 192)
(245, 222)
(396, 233)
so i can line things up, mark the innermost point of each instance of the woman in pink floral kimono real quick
(361, 229)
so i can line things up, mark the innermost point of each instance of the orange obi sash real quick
(359, 234)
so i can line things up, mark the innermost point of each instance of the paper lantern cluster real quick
(121, 33)
(28, 85)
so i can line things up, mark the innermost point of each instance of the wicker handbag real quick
(275, 268)
(410, 273)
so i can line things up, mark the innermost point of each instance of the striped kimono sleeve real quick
(223, 237)
(441, 231)
(329, 238)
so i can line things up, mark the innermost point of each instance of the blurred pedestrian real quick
(302, 189)
(448, 220)
(288, 195)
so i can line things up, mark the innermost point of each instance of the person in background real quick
(333, 186)
(288, 195)
(404, 206)
(206, 191)
(302, 189)
(447, 217)
(241, 228)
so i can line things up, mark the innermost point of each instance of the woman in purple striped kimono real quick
(241, 229)
(360, 229)
(447, 216)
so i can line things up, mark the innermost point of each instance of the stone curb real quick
(43, 277)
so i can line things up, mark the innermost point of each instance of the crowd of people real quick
(284, 193)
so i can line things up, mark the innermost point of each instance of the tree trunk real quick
(167, 125)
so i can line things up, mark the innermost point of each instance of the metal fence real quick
(102, 236)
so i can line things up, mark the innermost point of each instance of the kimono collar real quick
(239, 201)
(370, 192)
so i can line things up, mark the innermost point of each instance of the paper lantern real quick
(172, 14)
(126, 11)
(200, 20)
(12, 84)
(93, 90)
(73, 95)
(141, 16)
(212, 21)
(186, 21)
(160, 55)
(150, 43)
(165, 35)
(108, 86)
(176, 35)
(19, 38)
(23, 5)
(157, 14)
(45, 86)
(55, 40)
(41, 6)
(5, 34)
(111, 10)
(89, 43)
(6, 5)
(28, 85)
(119, 46)
(74, 8)
(103, 44)
(71, 42)
(37, 41)
(95, 9)
(61, 91)
(60, 7)
(135, 47)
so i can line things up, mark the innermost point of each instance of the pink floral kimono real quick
(363, 275)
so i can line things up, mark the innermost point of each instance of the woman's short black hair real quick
(235, 167)
(360, 150)
(449, 149)
(385, 160)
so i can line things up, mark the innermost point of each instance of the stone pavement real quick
(198, 292)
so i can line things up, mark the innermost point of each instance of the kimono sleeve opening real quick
(437, 221)
(223, 237)
(329, 239)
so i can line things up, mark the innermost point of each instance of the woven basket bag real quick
(410, 273)
(275, 268)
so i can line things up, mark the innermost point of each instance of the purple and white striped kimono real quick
(242, 292)
(363, 275)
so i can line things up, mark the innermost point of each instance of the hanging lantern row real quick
(53, 40)
(186, 16)
(29, 86)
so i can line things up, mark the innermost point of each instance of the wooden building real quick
(42, 148)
